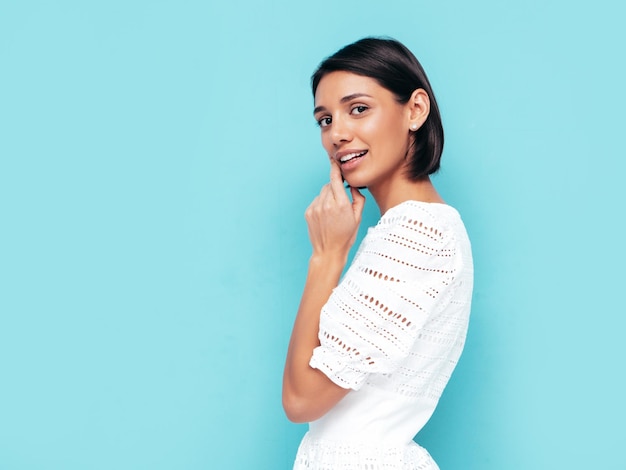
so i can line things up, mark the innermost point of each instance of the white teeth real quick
(350, 156)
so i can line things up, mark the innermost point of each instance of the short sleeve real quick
(399, 279)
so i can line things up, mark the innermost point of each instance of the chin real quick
(358, 186)
(355, 183)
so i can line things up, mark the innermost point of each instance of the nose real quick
(340, 131)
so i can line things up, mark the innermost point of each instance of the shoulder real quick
(423, 218)
(420, 232)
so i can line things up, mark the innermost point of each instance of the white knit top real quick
(392, 331)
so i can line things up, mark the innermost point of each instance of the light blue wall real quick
(155, 162)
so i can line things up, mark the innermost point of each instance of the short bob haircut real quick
(395, 68)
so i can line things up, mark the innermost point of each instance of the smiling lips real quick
(346, 157)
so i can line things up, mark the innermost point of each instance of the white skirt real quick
(322, 454)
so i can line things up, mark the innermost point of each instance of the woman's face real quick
(364, 128)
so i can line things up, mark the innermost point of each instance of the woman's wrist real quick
(328, 261)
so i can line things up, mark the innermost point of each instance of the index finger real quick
(336, 181)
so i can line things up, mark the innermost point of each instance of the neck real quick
(404, 190)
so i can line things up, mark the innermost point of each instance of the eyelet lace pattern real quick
(394, 326)
(329, 455)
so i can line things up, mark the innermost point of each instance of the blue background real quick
(156, 159)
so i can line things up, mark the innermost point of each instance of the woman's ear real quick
(419, 108)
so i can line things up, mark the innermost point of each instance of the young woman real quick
(370, 354)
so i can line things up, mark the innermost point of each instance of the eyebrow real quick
(343, 100)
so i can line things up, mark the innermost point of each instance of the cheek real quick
(387, 133)
(397, 126)
(327, 144)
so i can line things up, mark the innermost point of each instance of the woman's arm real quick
(333, 221)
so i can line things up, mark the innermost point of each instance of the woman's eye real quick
(323, 122)
(359, 109)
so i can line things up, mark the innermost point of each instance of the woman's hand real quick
(333, 224)
(333, 220)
